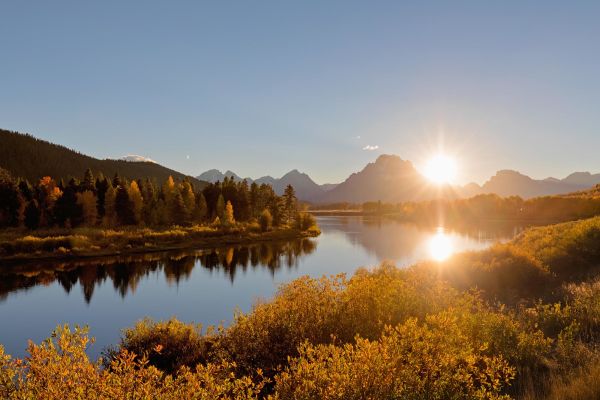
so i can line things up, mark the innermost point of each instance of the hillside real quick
(592, 193)
(27, 157)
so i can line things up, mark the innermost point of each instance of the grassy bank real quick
(18, 245)
(479, 326)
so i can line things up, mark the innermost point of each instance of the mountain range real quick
(306, 188)
(389, 178)
(392, 179)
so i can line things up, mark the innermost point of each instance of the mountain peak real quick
(386, 158)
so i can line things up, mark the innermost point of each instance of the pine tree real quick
(220, 208)
(242, 208)
(102, 185)
(255, 208)
(26, 190)
(123, 207)
(66, 210)
(32, 215)
(200, 211)
(110, 213)
(116, 180)
(178, 211)
(160, 214)
(9, 200)
(290, 203)
(88, 181)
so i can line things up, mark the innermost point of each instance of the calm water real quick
(205, 286)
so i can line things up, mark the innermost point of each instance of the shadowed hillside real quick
(27, 157)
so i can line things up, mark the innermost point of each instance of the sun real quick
(441, 169)
(440, 246)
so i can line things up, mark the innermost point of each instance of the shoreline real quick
(219, 239)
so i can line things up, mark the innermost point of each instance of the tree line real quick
(101, 201)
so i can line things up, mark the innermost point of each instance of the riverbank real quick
(384, 332)
(17, 245)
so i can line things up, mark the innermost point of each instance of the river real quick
(206, 286)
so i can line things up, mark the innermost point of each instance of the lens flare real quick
(441, 169)
(440, 246)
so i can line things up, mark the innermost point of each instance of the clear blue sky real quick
(261, 87)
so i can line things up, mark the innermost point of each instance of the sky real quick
(263, 87)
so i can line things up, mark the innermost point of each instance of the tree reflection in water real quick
(126, 272)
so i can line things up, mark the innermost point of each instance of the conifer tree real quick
(32, 215)
(220, 208)
(123, 207)
(102, 185)
(110, 213)
(242, 208)
(178, 211)
(116, 180)
(66, 210)
(254, 200)
(290, 203)
(26, 190)
(200, 211)
(160, 214)
(9, 200)
(88, 181)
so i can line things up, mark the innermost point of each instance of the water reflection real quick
(206, 286)
(440, 245)
(406, 244)
(125, 273)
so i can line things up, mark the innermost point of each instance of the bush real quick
(411, 361)
(60, 369)
(265, 220)
(167, 345)
(504, 272)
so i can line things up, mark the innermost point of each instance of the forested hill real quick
(27, 157)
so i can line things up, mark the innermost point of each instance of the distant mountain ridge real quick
(392, 179)
(513, 183)
(306, 188)
(27, 157)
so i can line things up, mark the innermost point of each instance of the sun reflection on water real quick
(440, 245)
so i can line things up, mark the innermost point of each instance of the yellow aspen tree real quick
(137, 201)
(228, 219)
(87, 202)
